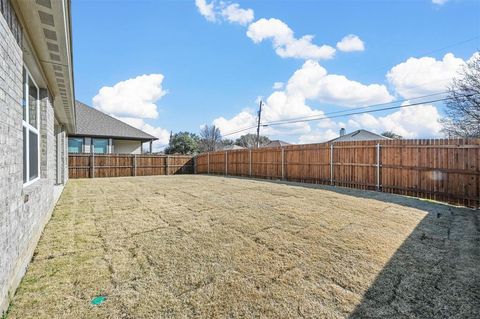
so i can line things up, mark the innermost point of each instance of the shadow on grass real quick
(435, 273)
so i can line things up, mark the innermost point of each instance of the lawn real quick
(205, 246)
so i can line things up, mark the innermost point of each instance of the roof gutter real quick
(47, 25)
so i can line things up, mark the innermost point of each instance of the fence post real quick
(208, 163)
(195, 165)
(166, 166)
(134, 164)
(331, 164)
(226, 163)
(250, 162)
(283, 163)
(93, 164)
(378, 167)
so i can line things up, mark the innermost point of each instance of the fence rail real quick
(116, 165)
(446, 170)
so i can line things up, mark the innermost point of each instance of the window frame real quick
(100, 139)
(30, 128)
(81, 150)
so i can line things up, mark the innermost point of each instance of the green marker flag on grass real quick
(98, 300)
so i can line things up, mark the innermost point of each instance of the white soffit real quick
(47, 26)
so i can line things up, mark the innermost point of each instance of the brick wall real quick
(24, 211)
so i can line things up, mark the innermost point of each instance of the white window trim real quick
(77, 138)
(26, 124)
(93, 145)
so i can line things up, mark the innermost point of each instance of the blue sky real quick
(207, 69)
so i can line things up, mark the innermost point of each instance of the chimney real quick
(342, 131)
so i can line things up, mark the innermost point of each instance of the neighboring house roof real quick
(359, 135)
(276, 143)
(231, 147)
(91, 122)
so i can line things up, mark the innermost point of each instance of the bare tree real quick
(463, 107)
(392, 135)
(250, 140)
(210, 138)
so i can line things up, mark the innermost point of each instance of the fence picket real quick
(113, 165)
(445, 170)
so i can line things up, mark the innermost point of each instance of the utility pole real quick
(258, 124)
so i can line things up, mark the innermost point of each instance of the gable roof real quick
(359, 135)
(91, 122)
(276, 143)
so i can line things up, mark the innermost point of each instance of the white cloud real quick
(420, 121)
(278, 85)
(411, 122)
(245, 118)
(278, 106)
(223, 11)
(234, 14)
(351, 43)
(311, 82)
(421, 76)
(281, 105)
(439, 2)
(132, 101)
(319, 136)
(284, 41)
(314, 83)
(162, 134)
(134, 97)
(474, 57)
(206, 9)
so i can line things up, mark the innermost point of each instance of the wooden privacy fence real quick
(115, 165)
(441, 169)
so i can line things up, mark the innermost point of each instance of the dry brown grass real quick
(201, 246)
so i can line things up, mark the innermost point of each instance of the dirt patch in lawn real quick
(204, 246)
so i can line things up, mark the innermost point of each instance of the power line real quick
(451, 45)
(424, 53)
(291, 121)
(421, 54)
(369, 106)
(355, 113)
(336, 112)
(363, 112)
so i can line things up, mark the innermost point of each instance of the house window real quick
(75, 145)
(100, 145)
(30, 123)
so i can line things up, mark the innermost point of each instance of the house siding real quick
(115, 146)
(127, 147)
(24, 211)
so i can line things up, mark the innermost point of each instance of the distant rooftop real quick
(276, 143)
(231, 147)
(91, 122)
(359, 135)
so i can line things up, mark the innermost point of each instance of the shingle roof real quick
(91, 122)
(359, 135)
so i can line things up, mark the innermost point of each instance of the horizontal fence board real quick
(446, 170)
(117, 165)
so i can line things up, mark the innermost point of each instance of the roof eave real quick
(130, 138)
(50, 22)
